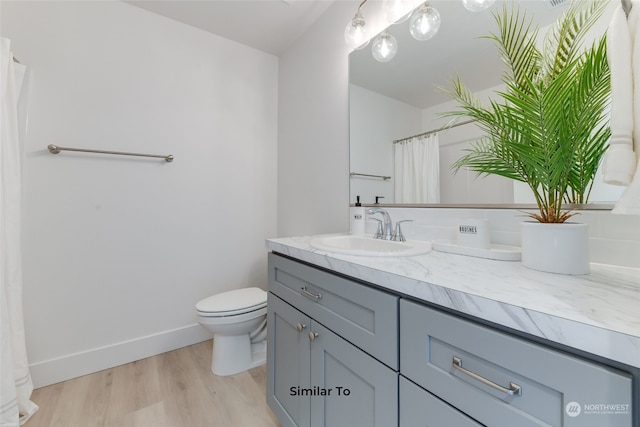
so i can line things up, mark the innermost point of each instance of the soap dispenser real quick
(357, 218)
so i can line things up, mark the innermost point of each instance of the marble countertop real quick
(598, 313)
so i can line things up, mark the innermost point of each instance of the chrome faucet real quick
(397, 235)
(387, 231)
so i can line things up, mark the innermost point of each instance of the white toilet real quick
(238, 321)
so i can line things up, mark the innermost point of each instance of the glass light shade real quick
(424, 23)
(384, 47)
(397, 11)
(356, 34)
(477, 5)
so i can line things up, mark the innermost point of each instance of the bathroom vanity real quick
(445, 340)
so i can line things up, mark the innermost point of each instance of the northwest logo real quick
(573, 409)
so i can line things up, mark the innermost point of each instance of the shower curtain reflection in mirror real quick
(16, 385)
(417, 170)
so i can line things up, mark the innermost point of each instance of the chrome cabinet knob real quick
(300, 327)
(313, 336)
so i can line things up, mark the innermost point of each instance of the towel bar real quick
(370, 176)
(54, 149)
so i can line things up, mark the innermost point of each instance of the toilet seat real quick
(232, 303)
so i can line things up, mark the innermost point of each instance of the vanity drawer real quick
(503, 380)
(365, 316)
(419, 408)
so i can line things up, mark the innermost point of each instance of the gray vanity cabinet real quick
(343, 353)
(419, 408)
(316, 376)
(502, 380)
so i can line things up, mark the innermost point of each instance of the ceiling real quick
(267, 25)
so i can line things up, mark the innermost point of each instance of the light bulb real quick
(477, 5)
(397, 11)
(424, 23)
(384, 47)
(356, 34)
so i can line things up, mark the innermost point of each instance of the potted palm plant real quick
(549, 127)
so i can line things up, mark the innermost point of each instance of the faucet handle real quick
(397, 235)
(380, 231)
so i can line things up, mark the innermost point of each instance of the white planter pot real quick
(556, 248)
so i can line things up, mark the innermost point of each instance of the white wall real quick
(376, 121)
(313, 124)
(313, 129)
(117, 250)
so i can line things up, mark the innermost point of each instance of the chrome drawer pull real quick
(305, 292)
(514, 389)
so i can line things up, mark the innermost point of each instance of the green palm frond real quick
(550, 127)
(515, 42)
(563, 43)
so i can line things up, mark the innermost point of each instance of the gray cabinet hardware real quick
(306, 293)
(514, 389)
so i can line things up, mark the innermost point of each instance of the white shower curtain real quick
(16, 384)
(417, 170)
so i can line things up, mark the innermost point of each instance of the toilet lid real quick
(233, 302)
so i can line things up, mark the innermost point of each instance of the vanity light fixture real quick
(384, 47)
(397, 11)
(425, 22)
(356, 34)
(477, 5)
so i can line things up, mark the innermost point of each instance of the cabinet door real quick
(287, 362)
(419, 408)
(349, 388)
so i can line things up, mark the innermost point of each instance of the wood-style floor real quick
(174, 389)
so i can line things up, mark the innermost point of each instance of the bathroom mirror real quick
(403, 97)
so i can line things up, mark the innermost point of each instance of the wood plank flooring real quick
(174, 389)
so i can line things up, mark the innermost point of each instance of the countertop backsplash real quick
(614, 239)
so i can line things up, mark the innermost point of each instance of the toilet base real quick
(235, 354)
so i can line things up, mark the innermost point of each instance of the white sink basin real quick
(368, 246)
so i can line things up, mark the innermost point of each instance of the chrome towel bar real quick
(54, 149)
(370, 176)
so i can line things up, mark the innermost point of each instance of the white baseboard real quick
(75, 365)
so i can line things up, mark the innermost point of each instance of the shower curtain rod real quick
(434, 131)
(54, 149)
